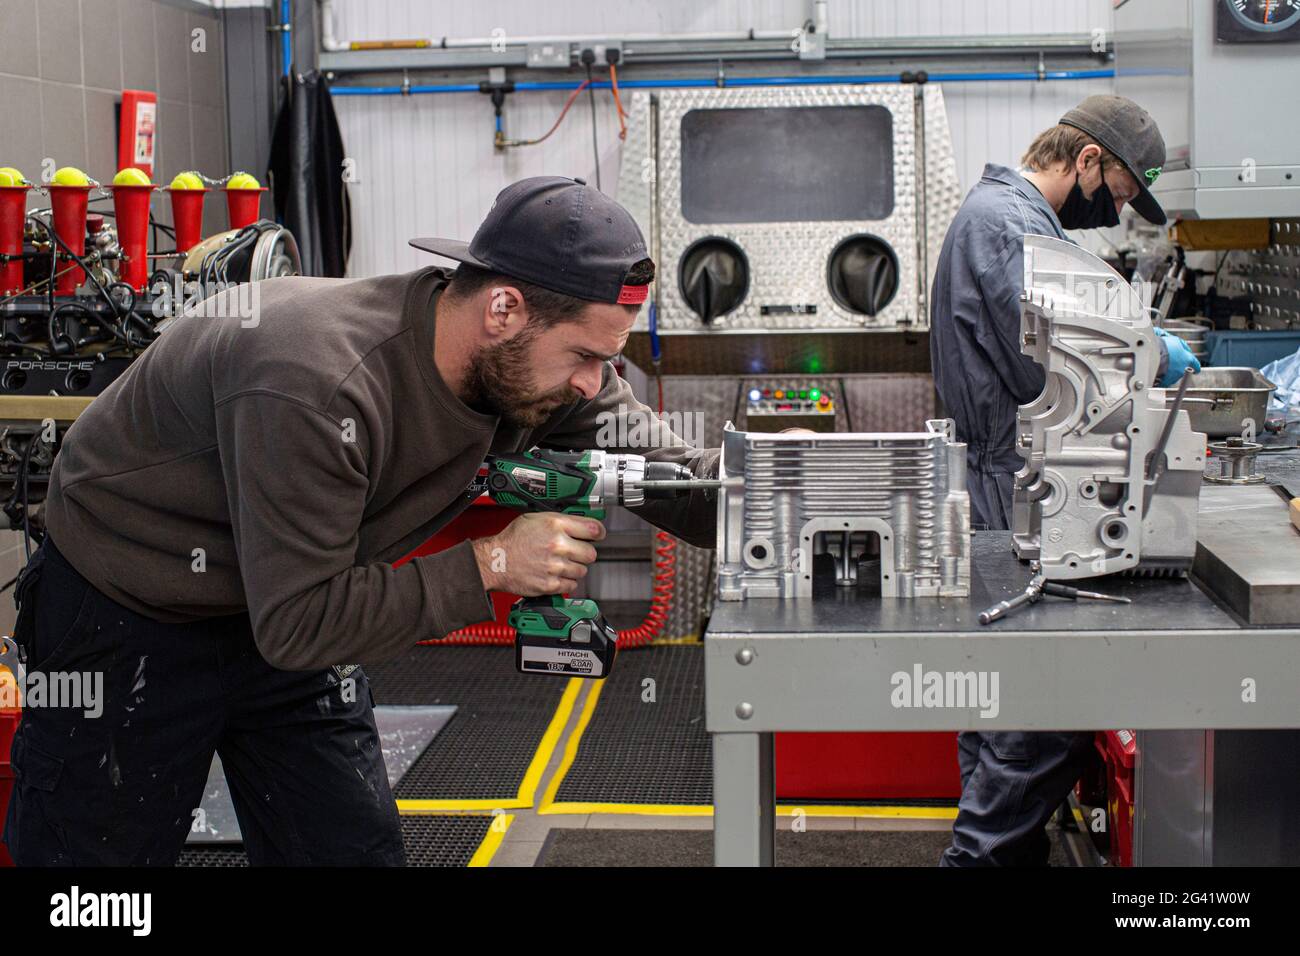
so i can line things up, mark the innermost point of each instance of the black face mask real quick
(1079, 212)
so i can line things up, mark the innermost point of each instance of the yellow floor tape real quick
(532, 777)
(874, 812)
(548, 804)
(491, 840)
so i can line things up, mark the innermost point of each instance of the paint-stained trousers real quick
(300, 749)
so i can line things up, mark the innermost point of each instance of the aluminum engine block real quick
(787, 497)
(1092, 499)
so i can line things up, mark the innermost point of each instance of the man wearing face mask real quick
(1079, 174)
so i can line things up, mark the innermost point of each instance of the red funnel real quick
(131, 205)
(13, 209)
(70, 223)
(243, 206)
(187, 217)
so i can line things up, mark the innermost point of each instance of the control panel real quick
(773, 406)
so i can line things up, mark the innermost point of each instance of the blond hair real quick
(1061, 144)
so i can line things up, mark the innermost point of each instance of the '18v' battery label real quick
(560, 660)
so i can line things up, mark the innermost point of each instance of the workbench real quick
(1173, 659)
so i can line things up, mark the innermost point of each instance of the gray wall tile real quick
(59, 27)
(20, 118)
(64, 117)
(79, 55)
(174, 149)
(216, 217)
(208, 133)
(102, 44)
(207, 69)
(101, 135)
(172, 41)
(139, 56)
(252, 87)
(18, 38)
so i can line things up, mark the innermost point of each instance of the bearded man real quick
(224, 519)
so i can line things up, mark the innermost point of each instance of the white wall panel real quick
(426, 165)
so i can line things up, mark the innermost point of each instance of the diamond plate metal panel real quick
(943, 193)
(788, 260)
(692, 593)
(636, 174)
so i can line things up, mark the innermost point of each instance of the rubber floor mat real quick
(678, 848)
(431, 840)
(491, 753)
(645, 743)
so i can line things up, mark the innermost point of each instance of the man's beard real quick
(499, 381)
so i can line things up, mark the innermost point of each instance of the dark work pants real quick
(299, 748)
(1011, 784)
(990, 491)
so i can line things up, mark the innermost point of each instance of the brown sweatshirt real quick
(278, 459)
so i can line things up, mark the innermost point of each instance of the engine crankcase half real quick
(1092, 499)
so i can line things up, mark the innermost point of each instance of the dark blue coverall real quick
(1012, 781)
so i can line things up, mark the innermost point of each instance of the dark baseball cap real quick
(1128, 131)
(560, 234)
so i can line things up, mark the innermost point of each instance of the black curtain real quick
(311, 198)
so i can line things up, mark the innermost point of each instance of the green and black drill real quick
(570, 637)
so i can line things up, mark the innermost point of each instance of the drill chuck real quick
(669, 473)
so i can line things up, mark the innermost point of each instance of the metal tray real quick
(1218, 400)
(1191, 330)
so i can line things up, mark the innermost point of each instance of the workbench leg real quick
(744, 800)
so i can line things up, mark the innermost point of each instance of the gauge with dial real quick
(1257, 21)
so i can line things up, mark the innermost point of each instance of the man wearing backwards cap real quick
(223, 520)
(1079, 174)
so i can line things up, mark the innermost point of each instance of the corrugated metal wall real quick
(425, 164)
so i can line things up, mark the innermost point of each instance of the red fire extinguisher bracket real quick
(138, 130)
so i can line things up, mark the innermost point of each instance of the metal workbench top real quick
(996, 575)
(1172, 659)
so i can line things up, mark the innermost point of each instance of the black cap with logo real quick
(1128, 131)
(557, 233)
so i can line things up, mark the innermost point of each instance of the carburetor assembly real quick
(1112, 467)
(886, 513)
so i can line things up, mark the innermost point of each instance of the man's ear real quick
(503, 299)
(1083, 161)
(505, 309)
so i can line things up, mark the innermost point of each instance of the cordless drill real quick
(570, 636)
